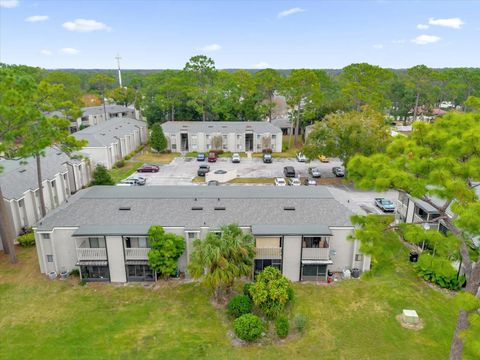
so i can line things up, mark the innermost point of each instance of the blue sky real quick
(152, 34)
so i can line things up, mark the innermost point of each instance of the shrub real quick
(270, 292)
(239, 305)
(101, 176)
(158, 141)
(75, 272)
(248, 327)
(246, 290)
(119, 164)
(281, 326)
(439, 271)
(300, 322)
(129, 156)
(82, 283)
(27, 239)
(290, 293)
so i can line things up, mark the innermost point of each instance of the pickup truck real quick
(385, 205)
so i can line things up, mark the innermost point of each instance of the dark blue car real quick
(201, 157)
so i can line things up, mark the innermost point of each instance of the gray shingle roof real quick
(291, 230)
(174, 206)
(282, 123)
(19, 176)
(98, 110)
(104, 134)
(224, 127)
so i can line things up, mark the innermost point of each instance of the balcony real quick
(315, 253)
(268, 253)
(136, 253)
(91, 254)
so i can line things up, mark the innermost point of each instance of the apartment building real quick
(103, 230)
(95, 115)
(112, 140)
(62, 176)
(234, 136)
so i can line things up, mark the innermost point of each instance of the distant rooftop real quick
(105, 133)
(98, 110)
(223, 127)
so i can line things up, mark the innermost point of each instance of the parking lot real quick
(182, 170)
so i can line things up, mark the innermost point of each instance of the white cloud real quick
(378, 46)
(8, 3)
(401, 41)
(290, 12)
(426, 39)
(261, 65)
(454, 23)
(69, 51)
(422, 26)
(45, 52)
(84, 25)
(37, 18)
(211, 47)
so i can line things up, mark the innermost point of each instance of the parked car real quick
(236, 158)
(338, 171)
(140, 180)
(289, 171)
(267, 158)
(314, 172)
(294, 182)
(323, 159)
(212, 156)
(203, 169)
(310, 182)
(385, 205)
(213, 183)
(131, 182)
(201, 157)
(148, 168)
(280, 181)
(301, 157)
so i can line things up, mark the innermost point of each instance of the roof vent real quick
(197, 208)
(289, 208)
(124, 208)
(22, 171)
(210, 126)
(220, 208)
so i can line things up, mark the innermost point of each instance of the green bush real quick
(290, 293)
(101, 176)
(119, 164)
(129, 156)
(75, 272)
(82, 283)
(248, 327)
(281, 326)
(246, 290)
(26, 239)
(300, 322)
(239, 305)
(270, 292)
(439, 271)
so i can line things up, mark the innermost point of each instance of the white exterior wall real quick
(292, 247)
(98, 155)
(345, 251)
(116, 258)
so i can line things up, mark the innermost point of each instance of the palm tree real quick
(219, 259)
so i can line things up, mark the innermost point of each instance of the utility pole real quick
(119, 71)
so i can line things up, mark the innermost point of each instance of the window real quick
(192, 235)
(52, 183)
(314, 272)
(261, 264)
(358, 257)
(96, 242)
(95, 273)
(139, 273)
(421, 213)
(49, 258)
(274, 137)
(136, 242)
(315, 242)
(46, 236)
(21, 203)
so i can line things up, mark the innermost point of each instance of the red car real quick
(212, 156)
(149, 168)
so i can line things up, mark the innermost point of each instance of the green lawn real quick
(355, 319)
(129, 168)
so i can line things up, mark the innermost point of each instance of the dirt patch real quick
(409, 326)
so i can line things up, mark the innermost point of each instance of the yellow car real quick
(323, 159)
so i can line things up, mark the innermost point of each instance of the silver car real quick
(294, 182)
(236, 158)
(314, 172)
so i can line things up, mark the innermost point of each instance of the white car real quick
(236, 158)
(301, 157)
(280, 181)
(294, 182)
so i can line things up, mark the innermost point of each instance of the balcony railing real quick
(136, 253)
(316, 253)
(268, 253)
(91, 254)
